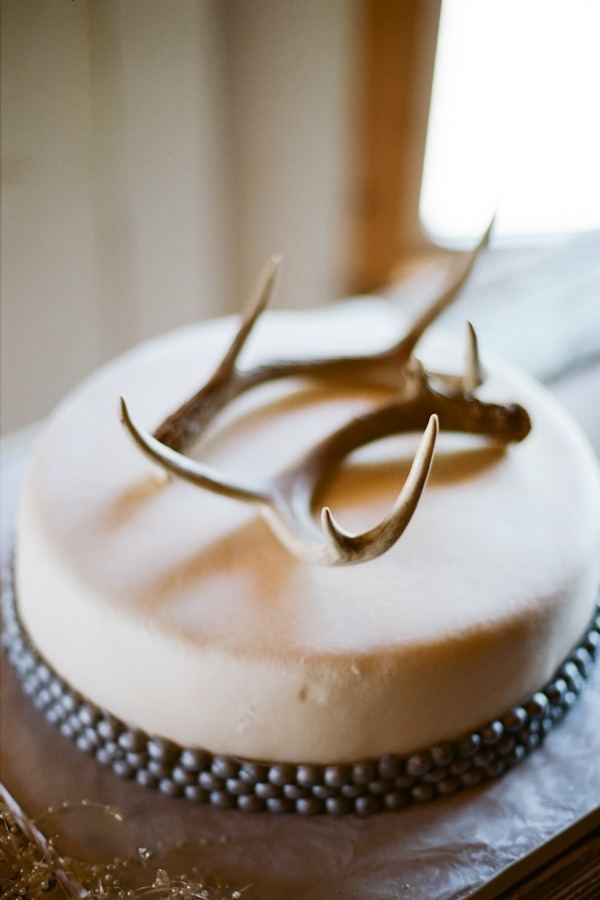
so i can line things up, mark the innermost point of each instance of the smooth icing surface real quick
(179, 612)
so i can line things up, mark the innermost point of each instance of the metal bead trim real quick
(391, 782)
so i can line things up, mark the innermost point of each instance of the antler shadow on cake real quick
(422, 401)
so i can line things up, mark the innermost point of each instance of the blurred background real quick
(155, 153)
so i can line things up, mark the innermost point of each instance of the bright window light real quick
(514, 125)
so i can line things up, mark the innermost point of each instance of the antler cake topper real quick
(422, 401)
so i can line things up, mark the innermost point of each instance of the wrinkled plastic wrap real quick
(440, 850)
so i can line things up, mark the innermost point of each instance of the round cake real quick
(179, 613)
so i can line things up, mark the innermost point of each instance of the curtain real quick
(154, 154)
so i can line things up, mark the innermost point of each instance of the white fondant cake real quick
(180, 613)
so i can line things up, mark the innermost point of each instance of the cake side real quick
(179, 612)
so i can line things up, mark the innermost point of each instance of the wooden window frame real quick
(398, 46)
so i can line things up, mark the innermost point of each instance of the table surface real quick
(541, 308)
(551, 301)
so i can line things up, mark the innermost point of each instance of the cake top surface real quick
(207, 569)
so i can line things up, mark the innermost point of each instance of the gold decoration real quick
(33, 868)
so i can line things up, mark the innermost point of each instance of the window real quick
(514, 123)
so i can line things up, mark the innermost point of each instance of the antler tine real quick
(473, 376)
(180, 430)
(347, 549)
(259, 300)
(465, 266)
(190, 470)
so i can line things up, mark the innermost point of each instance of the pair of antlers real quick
(287, 500)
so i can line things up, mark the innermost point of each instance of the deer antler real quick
(287, 500)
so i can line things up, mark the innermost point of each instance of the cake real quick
(173, 634)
